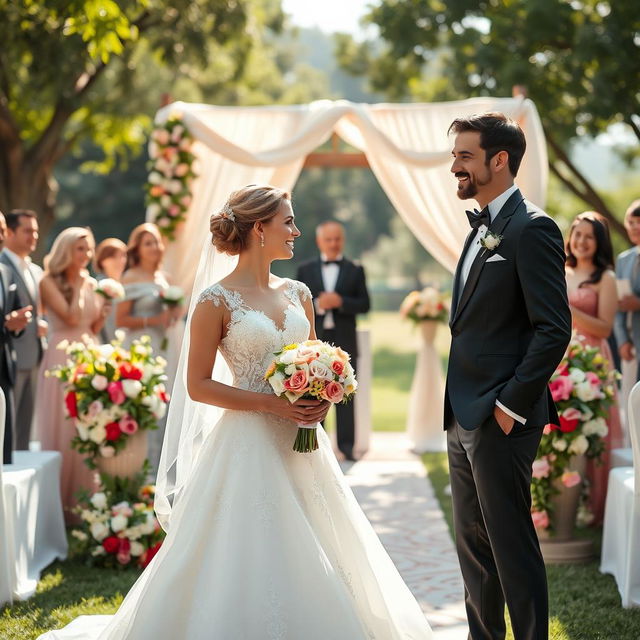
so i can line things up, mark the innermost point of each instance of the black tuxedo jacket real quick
(10, 302)
(511, 323)
(352, 287)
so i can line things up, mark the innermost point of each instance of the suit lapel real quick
(317, 274)
(6, 260)
(496, 227)
(455, 295)
(342, 274)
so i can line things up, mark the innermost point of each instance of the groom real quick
(510, 324)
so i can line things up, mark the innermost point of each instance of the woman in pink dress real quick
(73, 309)
(591, 286)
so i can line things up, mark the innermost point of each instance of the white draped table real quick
(34, 518)
(426, 402)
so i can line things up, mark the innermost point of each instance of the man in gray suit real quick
(627, 321)
(20, 242)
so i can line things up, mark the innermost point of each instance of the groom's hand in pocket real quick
(504, 420)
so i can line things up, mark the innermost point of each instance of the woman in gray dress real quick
(142, 312)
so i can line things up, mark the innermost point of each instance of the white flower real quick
(586, 415)
(107, 451)
(165, 201)
(98, 434)
(559, 444)
(576, 375)
(83, 431)
(120, 335)
(137, 549)
(153, 210)
(118, 523)
(175, 186)
(155, 178)
(99, 383)
(320, 371)
(290, 369)
(490, 241)
(79, 535)
(288, 357)
(99, 500)
(63, 345)
(148, 370)
(99, 530)
(579, 445)
(98, 551)
(277, 383)
(131, 388)
(586, 391)
(105, 350)
(595, 427)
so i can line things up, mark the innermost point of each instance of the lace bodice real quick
(253, 337)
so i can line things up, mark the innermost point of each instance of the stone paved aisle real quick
(391, 485)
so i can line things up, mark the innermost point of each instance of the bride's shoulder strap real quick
(301, 290)
(217, 294)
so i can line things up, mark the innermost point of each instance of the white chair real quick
(621, 530)
(32, 531)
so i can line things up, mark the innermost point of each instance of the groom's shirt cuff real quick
(515, 416)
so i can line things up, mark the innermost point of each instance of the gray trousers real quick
(24, 393)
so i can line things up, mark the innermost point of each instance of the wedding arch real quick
(405, 145)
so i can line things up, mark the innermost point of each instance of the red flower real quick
(72, 404)
(111, 544)
(563, 370)
(164, 396)
(125, 545)
(113, 431)
(149, 554)
(128, 371)
(567, 426)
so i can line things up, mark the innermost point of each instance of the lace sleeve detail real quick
(303, 291)
(213, 294)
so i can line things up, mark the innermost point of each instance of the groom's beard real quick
(469, 189)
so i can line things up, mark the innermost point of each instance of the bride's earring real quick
(262, 241)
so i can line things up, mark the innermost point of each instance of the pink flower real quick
(95, 408)
(571, 414)
(185, 201)
(333, 392)
(540, 519)
(563, 370)
(593, 379)
(337, 366)
(298, 383)
(571, 479)
(561, 388)
(541, 468)
(174, 210)
(116, 393)
(182, 169)
(124, 557)
(128, 425)
(548, 429)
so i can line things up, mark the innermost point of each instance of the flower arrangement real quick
(171, 174)
(583, 389)
(172, 297)
(311, 369)
(110, 289)
(111, 392)
(118, 524)
(428, 304)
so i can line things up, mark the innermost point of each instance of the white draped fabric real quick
(406, 145)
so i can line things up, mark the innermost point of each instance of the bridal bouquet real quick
(428, 304)
(311, 369)
(118, 524)
(110, 289)
(583, 389)
(111, 392)
(172, 297)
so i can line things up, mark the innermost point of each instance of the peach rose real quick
(540, 468)
(333, 392)
(540, 519)
(338, 366)
(298, 383)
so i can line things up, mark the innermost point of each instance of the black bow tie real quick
(338, 262)
(479, 218)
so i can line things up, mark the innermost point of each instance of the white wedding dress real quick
(265, 543)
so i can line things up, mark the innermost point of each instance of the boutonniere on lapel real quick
(490, 242)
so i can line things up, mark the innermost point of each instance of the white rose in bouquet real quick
(99, 530)
(277, 383)
(320, 371)
(576, 375)
(131, 388)
(118, 523)
(99, 500)
(597, 426)
(579, 445)
(99, 383)
(586, 391)
(98, 434)
(137, 549)
(559, 444)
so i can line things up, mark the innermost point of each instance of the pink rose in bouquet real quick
(311, 369)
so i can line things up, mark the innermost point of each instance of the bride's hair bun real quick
(231, 226)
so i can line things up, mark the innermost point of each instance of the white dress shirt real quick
(23, 267)
(494, 209)
(330, 273)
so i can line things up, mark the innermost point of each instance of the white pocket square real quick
(13, 286)
(496, 257)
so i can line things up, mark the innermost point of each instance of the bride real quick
(263, 542)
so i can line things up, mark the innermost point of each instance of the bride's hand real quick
(305, 411)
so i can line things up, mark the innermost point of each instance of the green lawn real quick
(584, 604)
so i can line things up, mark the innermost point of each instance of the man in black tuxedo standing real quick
(339, 291)
(16, 317)
(510, 325)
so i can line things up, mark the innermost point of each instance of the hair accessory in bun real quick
(227, 212)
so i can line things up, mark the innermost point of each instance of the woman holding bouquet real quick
(593, 300)
(263, 541)
(143, 313)
(73, 309)
(109, 262)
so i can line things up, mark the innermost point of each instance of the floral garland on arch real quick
(171, 175)
(118, 527)
(111, 392)
(582, 388)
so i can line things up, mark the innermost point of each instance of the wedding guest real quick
(142, 311)
(627, 322)
(16, 318)
(109, 261)
(339, 291)
(74, 309)
(591, 287)
(20, 242)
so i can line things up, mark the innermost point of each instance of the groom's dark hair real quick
(497, 133)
